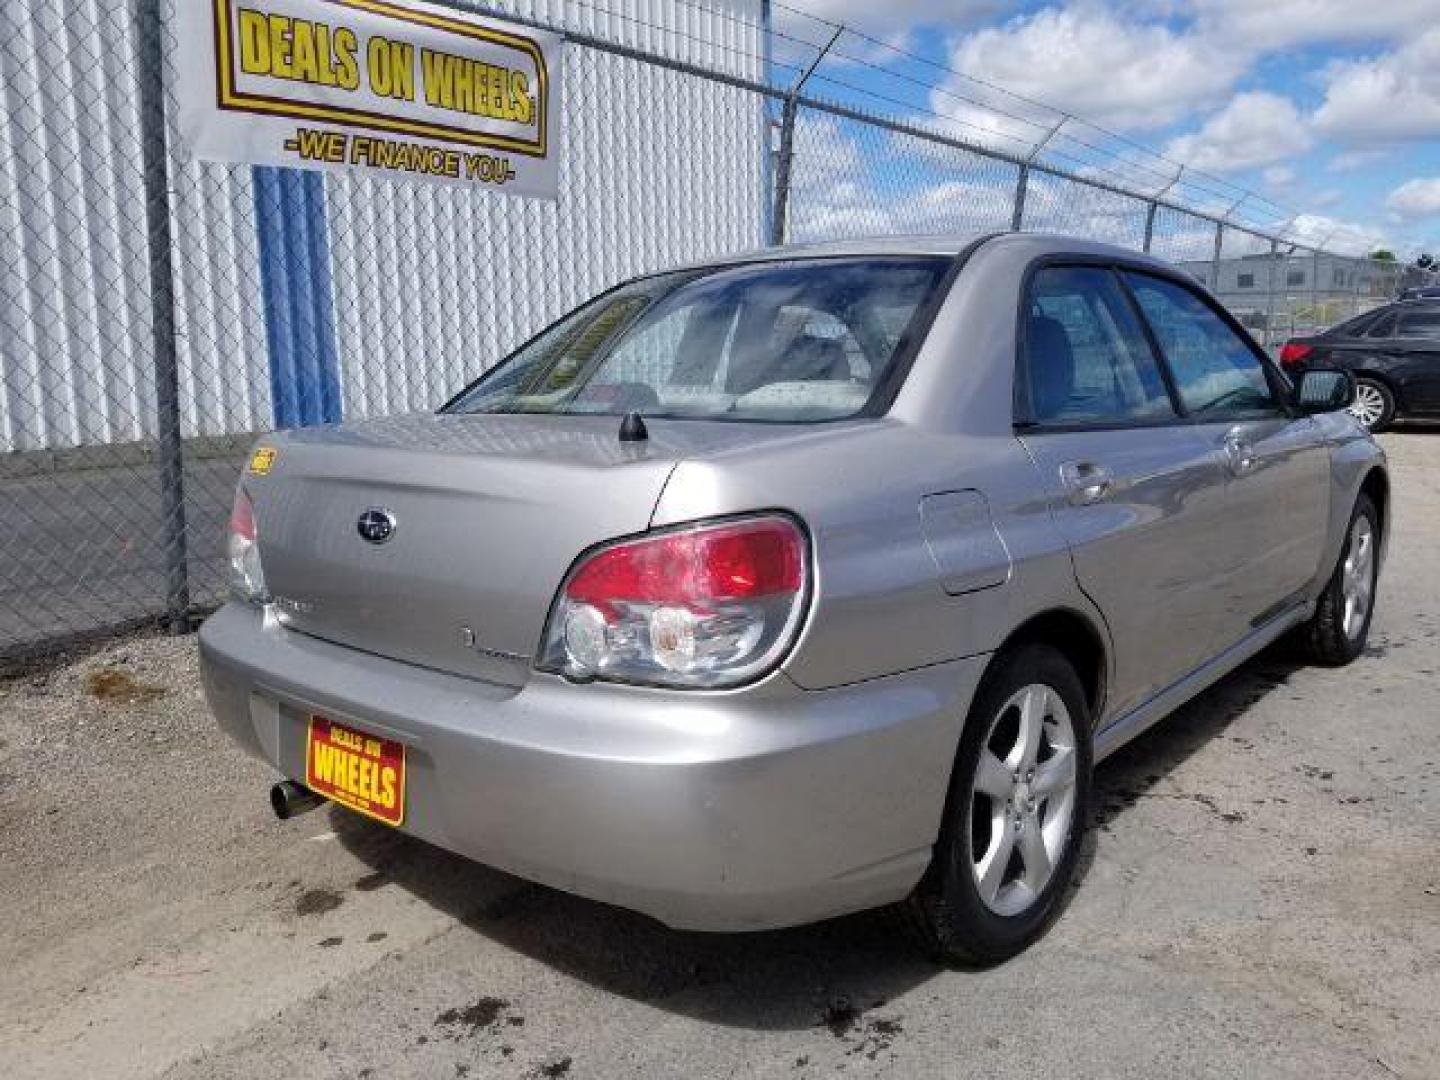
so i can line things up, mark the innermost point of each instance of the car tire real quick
(1336, 634)
(1374, 404)
(970, 909)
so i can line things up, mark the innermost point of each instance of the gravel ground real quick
(1260, 898)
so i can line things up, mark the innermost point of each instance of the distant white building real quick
(1288, 293)
(1249, 277)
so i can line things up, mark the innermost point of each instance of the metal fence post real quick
(1022, 182)
(1154, 207)
(779, 228)
(782, 171)
(169, 447)
(1215, 259)
(1270, 289)
(1314, 289)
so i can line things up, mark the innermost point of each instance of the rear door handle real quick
(1240, 454)
(1086, 482)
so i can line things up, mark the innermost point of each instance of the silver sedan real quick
(762, 591)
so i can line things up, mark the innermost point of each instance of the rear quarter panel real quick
(880, 600)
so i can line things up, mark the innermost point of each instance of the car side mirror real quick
(1323, 390)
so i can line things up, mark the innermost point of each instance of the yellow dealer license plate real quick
(364, 772)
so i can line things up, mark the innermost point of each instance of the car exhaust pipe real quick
(289, 799)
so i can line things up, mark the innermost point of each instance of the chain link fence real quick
(157, 313)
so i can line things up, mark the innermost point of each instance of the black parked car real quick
(1394, 353)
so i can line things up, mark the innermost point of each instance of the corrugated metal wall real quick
(430, 284)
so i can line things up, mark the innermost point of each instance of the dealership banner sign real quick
(386, 87)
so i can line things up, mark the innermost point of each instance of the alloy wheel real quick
(1369, 404)
(1357, 577)
(1023, 799)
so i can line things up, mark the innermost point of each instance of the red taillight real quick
(242, 516)
(705, 606)
(1292, 353)
(247, 577)
(723, 562)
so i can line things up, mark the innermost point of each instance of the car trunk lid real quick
(489, 513)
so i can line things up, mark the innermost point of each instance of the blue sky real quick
(1330, 109)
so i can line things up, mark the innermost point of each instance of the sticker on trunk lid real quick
(261, 460)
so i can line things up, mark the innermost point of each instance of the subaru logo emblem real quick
(376, 525)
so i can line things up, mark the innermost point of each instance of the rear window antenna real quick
(633, 429)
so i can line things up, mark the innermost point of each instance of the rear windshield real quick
(795, 341)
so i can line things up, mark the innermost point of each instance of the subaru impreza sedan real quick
(754, 593)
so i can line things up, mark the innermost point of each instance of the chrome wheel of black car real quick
(1373, 406)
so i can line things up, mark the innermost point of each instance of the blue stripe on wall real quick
(299, 305)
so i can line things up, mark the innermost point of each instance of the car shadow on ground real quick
(827, 974)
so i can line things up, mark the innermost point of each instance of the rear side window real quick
(1352, 327)
(1216, 372)
(1086, 358)
(1419, 324)
(1382, 327)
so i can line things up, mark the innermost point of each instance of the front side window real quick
(794, 341)
(1247, 281)
(1217, 374)
(1086, 358)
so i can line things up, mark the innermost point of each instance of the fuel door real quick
(961, 535)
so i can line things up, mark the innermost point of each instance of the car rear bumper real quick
(750, 809)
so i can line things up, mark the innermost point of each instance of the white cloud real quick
(1386, 99)
(1350, 160)
(1274, 24)
(989, 119)
(1416, 198)
(1254, 130)
(1335, 234)
(840, 191)
(1111, 71)
(1279, 177)
(1323, 200)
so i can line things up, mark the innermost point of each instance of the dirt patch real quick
(120, 687)
(878, 1037)
(317, 901)
(482, 1014)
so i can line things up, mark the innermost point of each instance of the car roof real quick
(945, 244)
